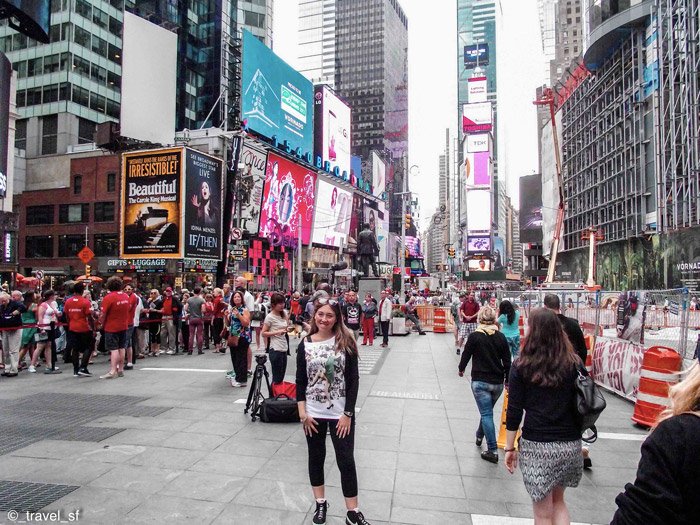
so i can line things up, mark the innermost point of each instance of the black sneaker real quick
(84, 372)
(489, 456)
(321, 511)
(355, 518)
(479, 441)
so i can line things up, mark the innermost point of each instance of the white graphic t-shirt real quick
(325, 368)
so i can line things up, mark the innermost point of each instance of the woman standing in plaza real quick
(275, 329)
(47, 313)
(238, 323)
(542, 383)
(508, 319)
(327, 385)
(490, 367)
(28, 318)
(369, 312)
(217, 325)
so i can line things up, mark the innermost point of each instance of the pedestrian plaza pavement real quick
(169, 443)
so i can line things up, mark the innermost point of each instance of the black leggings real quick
(81, 342)
(239, 359)
(344, 455)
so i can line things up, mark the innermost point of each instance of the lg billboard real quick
(276, 100)
(332, 137)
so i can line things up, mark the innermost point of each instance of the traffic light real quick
(408, 221)
(87, 270)
(451, 252)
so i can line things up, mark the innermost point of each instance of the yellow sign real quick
(178, 282)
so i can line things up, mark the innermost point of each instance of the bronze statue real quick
(367, 250)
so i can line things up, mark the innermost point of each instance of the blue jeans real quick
(486, 395)
(514, 345)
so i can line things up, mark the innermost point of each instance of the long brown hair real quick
(344, 338)
(547, 358)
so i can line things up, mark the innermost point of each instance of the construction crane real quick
(547, 99)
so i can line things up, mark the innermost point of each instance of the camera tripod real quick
(255, 396)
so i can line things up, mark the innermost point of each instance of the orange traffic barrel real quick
(660, 370)
(439, 321)
(521, 327)
(589, 353)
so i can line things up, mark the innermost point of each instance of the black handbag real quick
(590, 403)
(279, 409)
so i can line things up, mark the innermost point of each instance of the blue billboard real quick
(277, 101)
(476, 55)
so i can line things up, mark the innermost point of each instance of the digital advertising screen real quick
(476, 55)
(5, 75)
(478, 211)
(287, 203)
(378, 175)
(531, 208)
(499, 253)
(413, 247)
(355, 219)
(332, 140)
(480, 244)
(151, 222)
(29, 17)
(332, 214)
(477, 117)
(479, 265)
(203, 205)
(276, 100)
(251, 168)
(477, 143)
(477, 168)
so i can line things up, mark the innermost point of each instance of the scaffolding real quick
(679, 155)
(605, 148)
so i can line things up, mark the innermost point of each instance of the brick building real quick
(53, 221)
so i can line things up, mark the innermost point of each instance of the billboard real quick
(531, 208)
(203, 206)
(478, 211)
(378, 175)
(477, 89)
(288, 202)
(276, 100)
(332, 214)
(149, 70)
(251, 170)
(5, 77)
(378, 219)
(332, 135)
(355, 169)
(477, 117)
(413, 247)
(476, 55)
(479, 244)
(499, 253)
(151, 209)
(477, 168)
(477, 143)
(479, 265)
(29, 17)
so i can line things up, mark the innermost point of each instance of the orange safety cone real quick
(521, 327)
(589, 355)
(660, 370)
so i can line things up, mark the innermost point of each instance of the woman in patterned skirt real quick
(542, 383)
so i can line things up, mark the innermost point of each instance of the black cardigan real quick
(351, 373)
(491, 356)
(667, 488)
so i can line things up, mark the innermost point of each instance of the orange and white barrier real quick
(439, 324)
(521, 327)
(589, 352)
(660, 370)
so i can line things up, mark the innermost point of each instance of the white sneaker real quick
(170, 352)
(31, 369)
(235, 384)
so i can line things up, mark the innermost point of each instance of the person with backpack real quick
(542, 383)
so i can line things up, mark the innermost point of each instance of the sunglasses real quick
(326, 300)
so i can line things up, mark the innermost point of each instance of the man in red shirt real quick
(133, 303)
(467, 313)
(78, 311)
(115, 320)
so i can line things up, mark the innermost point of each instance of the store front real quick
(145, 274)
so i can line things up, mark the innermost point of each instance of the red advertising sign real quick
(288, 202)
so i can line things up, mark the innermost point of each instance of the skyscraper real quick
(476, 24)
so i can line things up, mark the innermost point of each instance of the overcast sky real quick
(432, 71)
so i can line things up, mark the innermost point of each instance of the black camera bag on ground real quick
(280, 409)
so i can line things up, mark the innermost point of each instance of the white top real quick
(137, 313)
(49, 314)
(325, 368)
(276, 322)
(249, 301)
(385, 306)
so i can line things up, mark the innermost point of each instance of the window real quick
(111, 182)
(50, 93)
(35, 66)
(21, 132)
(77, 185)
(86, 131)
(72, 213)
(39, 215)
(49, 132)
(104, 211)
(105, 245)
(81, 37)
(81, 66)
(38, 246)
(81, 96)
(70, 245)
(51, 63)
